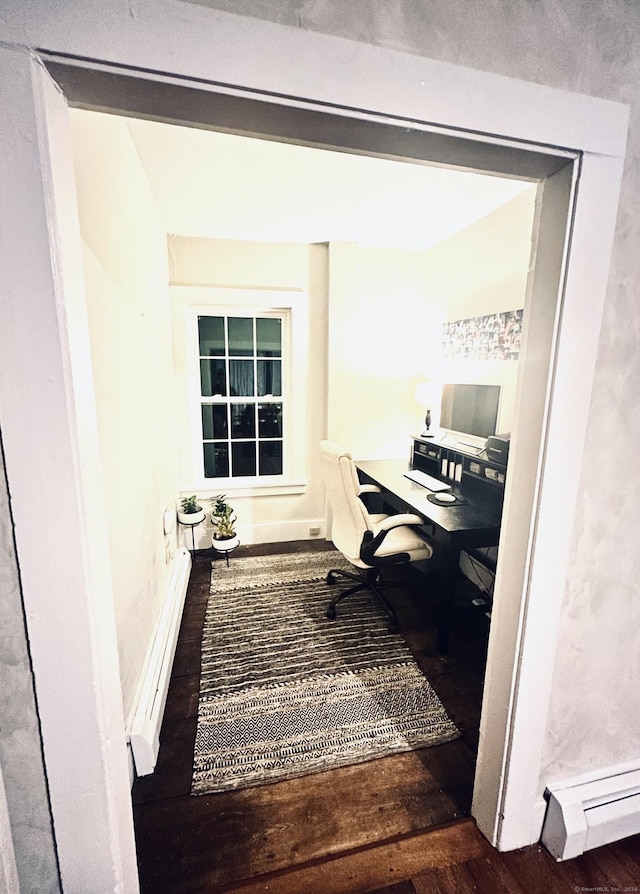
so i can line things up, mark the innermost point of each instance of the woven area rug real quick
(285, 692)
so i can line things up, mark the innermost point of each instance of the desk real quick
(473, 523)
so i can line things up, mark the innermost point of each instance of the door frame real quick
(360, 83)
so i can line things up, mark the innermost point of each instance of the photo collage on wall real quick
(492, 337)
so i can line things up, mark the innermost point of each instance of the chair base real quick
(368, 582)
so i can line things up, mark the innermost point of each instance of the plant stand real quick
(225, 546)
(192, 525)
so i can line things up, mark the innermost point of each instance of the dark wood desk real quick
(465, 525)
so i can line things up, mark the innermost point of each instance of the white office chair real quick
(369, 542)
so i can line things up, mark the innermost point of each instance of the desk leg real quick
(447, 598)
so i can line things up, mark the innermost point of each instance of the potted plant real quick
(190, 512)
(224, 520)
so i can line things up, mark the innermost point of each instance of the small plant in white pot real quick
(190, 512)
(224, 521)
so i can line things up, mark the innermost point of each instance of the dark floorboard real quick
(207, 843)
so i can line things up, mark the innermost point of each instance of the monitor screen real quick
(470, 409)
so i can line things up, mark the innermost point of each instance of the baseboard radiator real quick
(144, 727)
(592, 810)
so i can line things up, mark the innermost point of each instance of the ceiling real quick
(223, 186)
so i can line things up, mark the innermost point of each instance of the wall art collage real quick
(491, 337)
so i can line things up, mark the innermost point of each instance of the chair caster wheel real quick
(392, 628)
(331, 614)
(330, 578)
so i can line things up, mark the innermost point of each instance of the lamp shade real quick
(426, 393)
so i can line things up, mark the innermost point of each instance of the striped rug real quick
(285, 692)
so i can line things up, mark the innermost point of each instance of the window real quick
(241, 362)
(242, 399)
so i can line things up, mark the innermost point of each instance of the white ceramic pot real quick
(191, 518)
(224, 546)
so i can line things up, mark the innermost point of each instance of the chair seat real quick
(398, 540)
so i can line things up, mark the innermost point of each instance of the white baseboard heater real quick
(144, 728)
(592, 810)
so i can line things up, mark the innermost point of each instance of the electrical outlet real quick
(314, 530)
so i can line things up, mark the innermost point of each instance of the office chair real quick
(370, 542)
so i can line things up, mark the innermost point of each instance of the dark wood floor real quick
(395, 825)
(188, 844)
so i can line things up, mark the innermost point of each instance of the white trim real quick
(291, 305)
(197, 399)
(419, 120)
(65, 570)
(591, 810)
(283, 531)
(256, 532)
(143, 729)
(521, 785)
(289, 64)
(249, 488)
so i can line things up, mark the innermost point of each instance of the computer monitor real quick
(470, 409)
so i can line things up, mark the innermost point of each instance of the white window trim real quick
(212, 300)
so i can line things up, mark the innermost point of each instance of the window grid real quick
(241, 395)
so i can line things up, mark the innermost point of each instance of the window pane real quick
(213, 378)
(242, 392)
(269, 338)
(243, 421)
(269, 377)
(211, 336)
(214, 421)
(216, 460)
(270, 457)
(269, 420)
(240, 336)
(241, 378)
(243, 459)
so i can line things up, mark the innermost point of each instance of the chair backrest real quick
(350, 517)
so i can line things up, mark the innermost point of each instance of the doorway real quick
(418, 143)
(172, 140)
(98, 124)
(549, 453)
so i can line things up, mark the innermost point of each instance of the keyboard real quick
(427, 481)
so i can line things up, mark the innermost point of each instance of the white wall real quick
(483, 270)
(126, 274)
(386, 310)
(380, 337)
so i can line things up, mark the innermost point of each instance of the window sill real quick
(247, 488)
